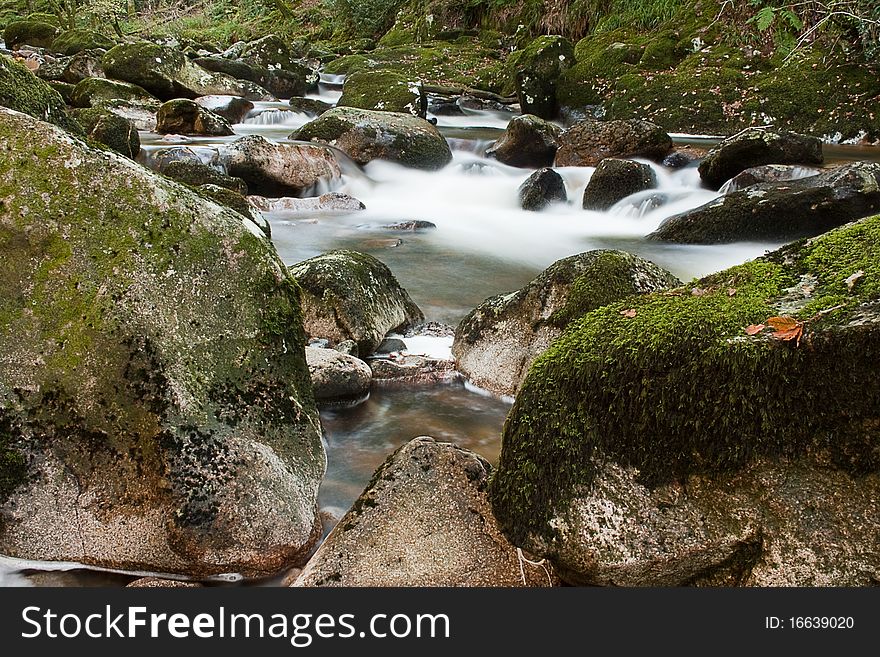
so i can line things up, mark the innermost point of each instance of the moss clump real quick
(110, 129)
(73, 41)
(671, 384)
(147, 65)
(24, 92)
(34, 33)
(384, 90)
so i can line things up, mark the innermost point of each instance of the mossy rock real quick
(38, 34)
(367, 135)
(196, 174)
(64, 89)
(234, 200)
(497, 342)
(700, 441)
(110, 129)
(528, 141)
(22, 91)
(536, 70)
(349, 295)
(385, 91)
(186, 117)
(614, 180)
(96, 91)
(70, 42)
(153, 379)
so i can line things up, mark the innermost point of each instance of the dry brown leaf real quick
(629, 313)
(852, 280)
(731, 292)
(782, 323)
(786, 329)
(699, 291)
(754, 329)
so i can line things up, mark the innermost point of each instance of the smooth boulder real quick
(497, 342)
(348, 295)
(614, 180)
(782, 211)
(707, 434)
(540, 189)
(367, 135)
(756, 147)
(589, 141)
(528, 141)
(154, 395)
(186, 117)
(36, 33)
(423, 520)
(231, 108)
(92, 92)
(337, 376)
(331, 202)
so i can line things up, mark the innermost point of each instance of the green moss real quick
(383, 90)
(675, 386)
(71, 42)
(13, 464)
(24, 92)
(29, 32)
(95, 91)
(110, 129)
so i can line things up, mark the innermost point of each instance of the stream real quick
(483, 245)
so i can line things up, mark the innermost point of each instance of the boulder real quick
(330, 202)
(235, 201)
(168, 74)
(309, 106)
(64, 90)
(97, 91)
(537, 69)
(348, 295)
(186, 117)
(196, 174)
(290, 82)
(337, 376)
(411, 369)
(528, 142)
(767, 173)
(159, 583)
(269, 52)
(142, 113)
(782, 211)
(367, 135)
(84, 64)
(231, 108)
(48, 68)
(614, 180)
(497, 342)
(155, 404)
(756, 147)
(277, 169)
(71, 42)
(423, 520)
(588, 142)
(109, 129)
(542, 188)
(22, 91)
(669, 439)
(38, 34)
(384, 90)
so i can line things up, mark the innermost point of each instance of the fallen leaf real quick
(629, 314)
(731, 292)
(786, 329)
(782, 323)
(699, 291)
(754, 329)
(852, 280)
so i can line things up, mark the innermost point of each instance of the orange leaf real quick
(790, 334)
(629, 314)
(731, 292)
(754, 329)
(783, 323)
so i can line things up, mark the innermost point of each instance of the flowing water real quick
(483, 245)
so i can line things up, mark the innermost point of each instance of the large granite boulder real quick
(589, 141)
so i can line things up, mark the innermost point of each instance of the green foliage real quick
(365, 18)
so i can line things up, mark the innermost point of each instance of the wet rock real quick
(414, 225)
(542, 188)
(367, 135)
(231, 108)
(22, 91)
(71, 42)
(196, 173)
(528, 142)
(85, 64)
(186, 117)
(38, 34)
(353, 296)
(164, 157)
(92, 92)
(349, 347)
(235, 201)
(111, 130)
(159, 583)
(385, 91)
(310, 106)
(588, 142)
(499, 340)
(756, 147)
(168, 74)
(444, 106)
(277, 169)
(154, 391)
(422, 521)
(337, 376)
(614, 180)
(410, 369)
(767, 173)
(658, 443)
(782, 211)
(684, 156)
(390, 345)
(537, 69)
(330, 202)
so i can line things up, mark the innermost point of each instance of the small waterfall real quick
(271, 117)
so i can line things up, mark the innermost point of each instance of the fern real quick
(764, 18)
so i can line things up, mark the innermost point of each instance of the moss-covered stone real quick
(64, 90)
(384, 90)
(38, 34)
(669, 393)
(97, 91)
(196, 174)
(70, 42)
(183, 116)
(109, 129)
(152, 372)
(536, 69)
(614, 180)
(24, 92)
(235, 200)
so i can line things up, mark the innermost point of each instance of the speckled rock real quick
(756, 147)
(497, 342)
(537, 69)
(109, 129)
(408, 369)
(325, 203)
(588, 142)
(84, 64)
(386, 91)
(767, 173)
(23, 91)
(350, 295)
(528, 141)
(156, 412)
(540, 189)
(231, 108)
(186, 117)
(272, 169)
(422, 521)
(781, 211)
(367, 135)
(337, 376)
(159, 583)
(614, 180)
